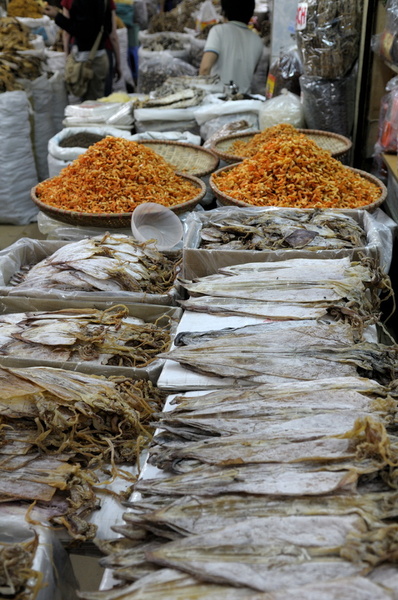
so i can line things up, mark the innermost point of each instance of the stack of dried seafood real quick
(25, 8)
(178, 19)
(13, 35)
(98, 337)
(297, 508)
(313, 230)
(17, 578)
(57, 428)
(108, 263)
(293, 289)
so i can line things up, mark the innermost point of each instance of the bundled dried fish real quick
(104, 337)
(192, 515)
(13, 35)
(312, 230)
(105, 263)
(56, 426)
(284, 350)
(178, 99)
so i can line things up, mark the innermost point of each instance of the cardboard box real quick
(167, 317)
(199, 262)
(27, 252)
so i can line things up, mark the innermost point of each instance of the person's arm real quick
(209, 58)
(115, 46)
(65, 35)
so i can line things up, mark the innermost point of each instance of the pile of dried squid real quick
(62, 433)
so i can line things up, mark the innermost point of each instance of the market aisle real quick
(11, 233)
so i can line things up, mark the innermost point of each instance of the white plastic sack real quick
(41, 95)
(43, 26)
(175, 136)
(59, 157)
(55, 61)
(285, 108)
(127, 77)
(92, 113)
(59, 99)
(158, 119)
(18, 173)
(216, 109)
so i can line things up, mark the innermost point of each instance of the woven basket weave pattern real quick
(185, 158)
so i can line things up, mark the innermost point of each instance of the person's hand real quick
(118, 72)
(51, 11)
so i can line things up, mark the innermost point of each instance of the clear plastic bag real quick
(388, 119)
(153, 71)
(385, 44)
(328, 35)
(284, 73)
(329, 105)
(285, 108)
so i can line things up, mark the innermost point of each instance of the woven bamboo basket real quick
(185, 158)
(226, 200)
(113, 220)
(338, 145)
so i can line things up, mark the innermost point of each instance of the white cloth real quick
(239, 50)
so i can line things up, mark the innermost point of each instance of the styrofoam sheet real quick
(174, 377)
(28, 252)
(150, 313)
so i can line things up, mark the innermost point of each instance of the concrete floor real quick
(11, 233)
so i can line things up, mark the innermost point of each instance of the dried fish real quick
(106, 263)
(270, 553)
(313, 230)
(18, 580)
(99, 336)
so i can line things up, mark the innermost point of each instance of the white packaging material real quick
(18, 170)
(285, 108)
(170, 136)
(55, 61)
(127, 77)
(59, 157)
(162, 119)
(59, 99)
(210, 128)
(214, 108)
(41, 96)
(43, 26)
(94, 113)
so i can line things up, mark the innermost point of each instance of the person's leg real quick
(96, 88)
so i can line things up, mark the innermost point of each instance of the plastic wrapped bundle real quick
(284, 73)
(328, 35)
(329, 105)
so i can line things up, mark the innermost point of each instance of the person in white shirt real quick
(232, 50)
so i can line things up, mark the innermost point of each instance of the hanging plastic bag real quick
(388, 119)
(385, 44)
(207, 15)
(284, 73)
(285, 108)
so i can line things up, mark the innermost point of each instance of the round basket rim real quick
(225, 199)
(113, 220)
(228, 157)
(206, 151)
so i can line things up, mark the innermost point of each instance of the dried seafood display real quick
(295, 172)
(13, 35)
(14, 67)
(25, 8)
(293, 289)
(17, 578)
(163, 98)
(114, 175)
(108, 263)
(98, 337)
(313, 230)
(307, 515)
(256, 143)
(278, 351)
(57, 428)
(162, 42)
(178, 19)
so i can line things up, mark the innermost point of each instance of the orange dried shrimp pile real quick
(114, 176)
(296, 172)
(254, 145)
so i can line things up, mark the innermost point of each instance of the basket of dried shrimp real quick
(185, 158)
(244, 193)
(231, 148)
(115, 220)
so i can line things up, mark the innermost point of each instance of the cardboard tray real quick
(168, 317)
(200, 262)
(28, 252)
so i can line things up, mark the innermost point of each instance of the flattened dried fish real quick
(268, 554)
